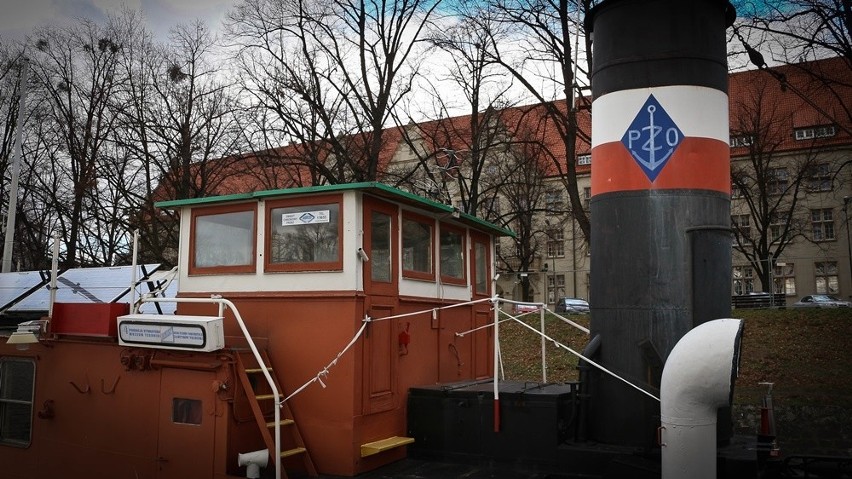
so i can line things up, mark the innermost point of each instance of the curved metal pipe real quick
(698, 379)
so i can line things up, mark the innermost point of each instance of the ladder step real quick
(282, 422)
(257, 370)
(293, 452)
(264, 397)
(384, 445)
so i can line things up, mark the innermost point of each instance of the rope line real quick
(575, 353)
(324, 371)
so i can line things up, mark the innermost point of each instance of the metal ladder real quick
(261, 398)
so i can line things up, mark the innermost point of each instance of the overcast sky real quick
(19, 17)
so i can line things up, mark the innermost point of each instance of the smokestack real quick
(660, 206)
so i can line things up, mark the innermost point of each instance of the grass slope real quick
(804, 352)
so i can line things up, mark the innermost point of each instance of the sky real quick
(19, 17)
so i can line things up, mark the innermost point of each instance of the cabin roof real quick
(373, 188)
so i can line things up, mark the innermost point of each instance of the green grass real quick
(804, 352)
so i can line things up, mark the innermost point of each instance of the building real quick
(791, 165)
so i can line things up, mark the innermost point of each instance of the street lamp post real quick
(846, 200)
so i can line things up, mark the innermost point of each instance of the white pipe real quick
(54, 272)
(9, 240)
(253, 461)
(543, 349)
(698, 379)
(133, 268)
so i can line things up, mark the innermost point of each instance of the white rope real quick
(572, 323)
(431, 310)
(575, 353)
(324, 371)
(489, 325)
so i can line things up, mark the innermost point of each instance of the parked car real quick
(821, 301)
(526, 308)
(572, 306)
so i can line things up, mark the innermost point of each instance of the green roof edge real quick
(170, 204)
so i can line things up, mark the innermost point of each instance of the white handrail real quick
(223, 303)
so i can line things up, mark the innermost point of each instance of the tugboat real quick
(303, 318)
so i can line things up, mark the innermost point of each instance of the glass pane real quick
(304, 234)
(15, 420)
(452, 263)
(16, 380)
(481, 268)
(416, 246)
(380, 247)
(186, 411)
(224, 240)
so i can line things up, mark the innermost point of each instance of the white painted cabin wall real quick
(350, 279)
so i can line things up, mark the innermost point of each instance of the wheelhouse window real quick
(481, 265)
(304, 234)
(223, 240)
(380, 226)
(452, 255)
(17, 382)
(417, 247)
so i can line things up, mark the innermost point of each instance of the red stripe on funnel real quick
(698, 163)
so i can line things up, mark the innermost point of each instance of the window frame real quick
(463, 248)
(484, 241)
(3, 401)
(825, 271)
(276, 267)
(823, 225)
(251, 267)
(425, 220)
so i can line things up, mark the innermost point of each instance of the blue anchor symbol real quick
(659, 134)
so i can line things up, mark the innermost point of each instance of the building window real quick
(223, 239)
(822, 223)
(587, 198)
(555, 287)
(553, 201)
(17, 385)
(741, 224)
(555, 243)
(820, 178)
(490, 208)
(584, 159)
(778, 224)
(738, 141)
(743, 279)
(784, 279)
(417, 247)
(736, 191)
(825, 273)
(776, 181)
(810, 133)
(304, 234)
(452, 255)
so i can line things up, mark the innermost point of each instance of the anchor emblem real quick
(652, 138)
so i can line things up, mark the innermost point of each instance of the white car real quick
(821, 301)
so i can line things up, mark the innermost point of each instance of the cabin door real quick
(186, 429)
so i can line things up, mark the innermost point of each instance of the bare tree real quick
(544, 29)
(332, 72)
(75, 69)
(767, 187)
(523, 191)
(179, 130)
